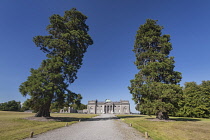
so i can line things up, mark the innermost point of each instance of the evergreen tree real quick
(195, 102)
(154, 88)
(205, 99)
(65, 46)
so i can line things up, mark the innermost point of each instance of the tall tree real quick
(65, 46)
(154, 88)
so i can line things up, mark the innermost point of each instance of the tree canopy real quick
(65, 46)
(195, 101)
(154, 88)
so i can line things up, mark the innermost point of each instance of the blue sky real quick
(108, 64)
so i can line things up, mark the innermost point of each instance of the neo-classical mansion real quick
(108, 107)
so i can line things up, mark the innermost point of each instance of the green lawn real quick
(14, 127)
(182, 128)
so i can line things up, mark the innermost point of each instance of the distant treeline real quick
(16, 106)
(10, 106)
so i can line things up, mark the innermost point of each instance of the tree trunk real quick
(44, 111)
(162, 115)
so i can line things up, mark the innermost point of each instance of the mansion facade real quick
(108, 107)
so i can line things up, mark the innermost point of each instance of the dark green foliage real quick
(154, 88)
(71, 99)
(44, 86)
(25, 106)
(79, 106)
(10, 106)
(196, 100)
(68, 40)
(65, 46)
(55, 107)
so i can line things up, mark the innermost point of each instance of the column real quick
(106, 109)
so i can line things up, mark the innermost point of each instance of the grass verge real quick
(178, 128)
(14, 126)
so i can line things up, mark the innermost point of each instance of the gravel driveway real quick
(103, 127)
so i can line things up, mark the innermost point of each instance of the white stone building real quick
(108, 107)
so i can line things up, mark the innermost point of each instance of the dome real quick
(107, 100)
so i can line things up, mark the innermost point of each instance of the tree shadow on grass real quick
(57, 119)
(68, 119)
(185, 119)
(173, 119)
(130, 116)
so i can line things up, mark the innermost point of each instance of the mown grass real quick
(181, 128)
(14, 127)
